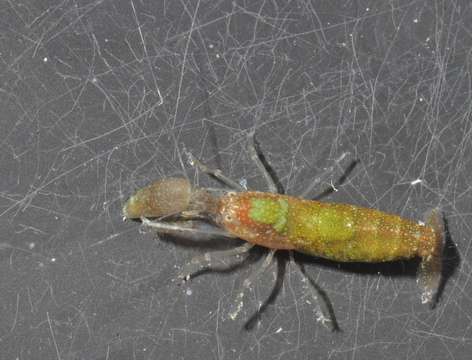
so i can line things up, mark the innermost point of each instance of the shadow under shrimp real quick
(451, 260)
(399, 268)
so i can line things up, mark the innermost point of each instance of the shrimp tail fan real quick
(430, 268)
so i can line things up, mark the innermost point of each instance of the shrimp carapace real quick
(172, 197)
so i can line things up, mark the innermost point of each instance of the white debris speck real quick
(217, 56)
(190, 159)
(426, 297)
(188, 292)
(335, 189)
(236, 308)
(211, 46)
(322, 319)
(141, 230)
(417, 181)
(243, 183)
(415, 21)
(31, 245)
(278, 330)
(45, 59)
(53, 259)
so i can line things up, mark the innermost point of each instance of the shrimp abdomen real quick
(349, 233)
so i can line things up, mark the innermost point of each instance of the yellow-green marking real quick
(270, 211)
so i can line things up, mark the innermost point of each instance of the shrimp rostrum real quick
(338, 232)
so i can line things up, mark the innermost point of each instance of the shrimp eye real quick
(228, 218)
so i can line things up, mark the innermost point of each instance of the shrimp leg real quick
(210, 259)
(201, 262)
(238, 303)
(318, 179)
(185, 228)
(217, 173)
(323, 308)
(256, 158)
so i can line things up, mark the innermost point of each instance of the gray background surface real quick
(98, 98)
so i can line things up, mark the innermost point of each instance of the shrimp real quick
(334, 231)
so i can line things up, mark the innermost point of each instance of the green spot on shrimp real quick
(271, 212)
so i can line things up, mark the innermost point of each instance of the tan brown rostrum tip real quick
(162, 197)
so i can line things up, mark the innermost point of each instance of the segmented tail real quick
(430, 269)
